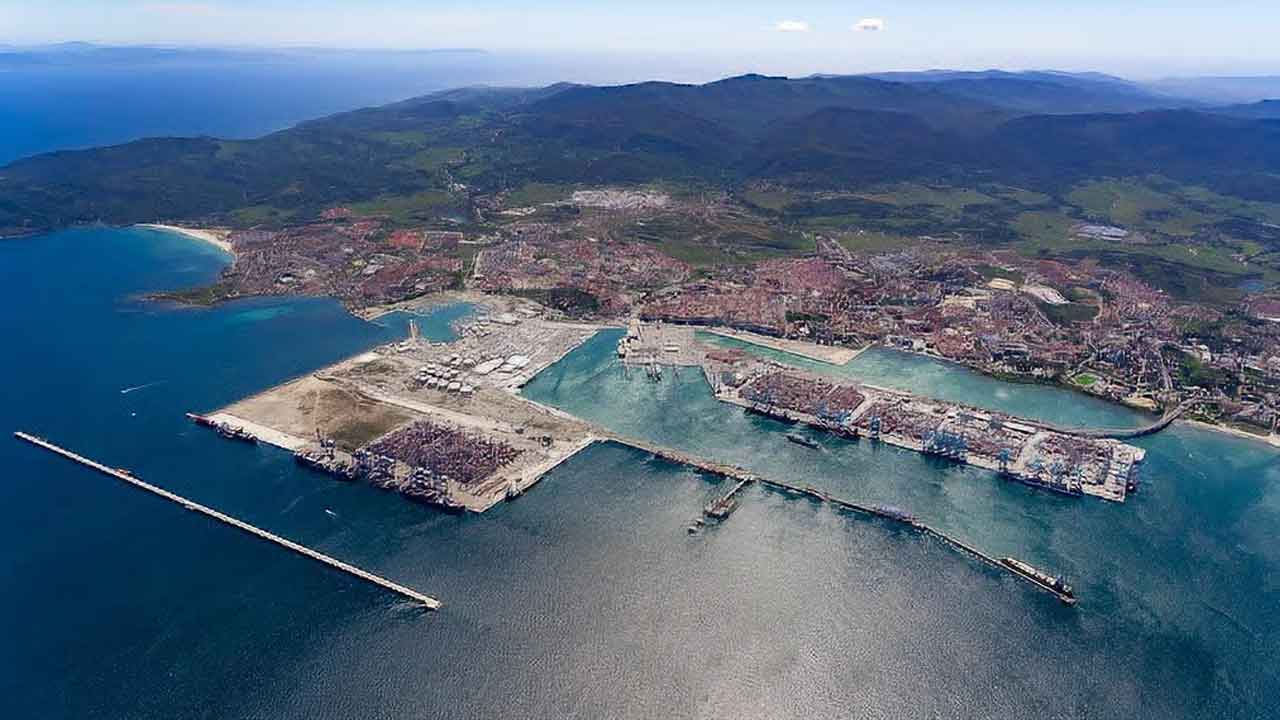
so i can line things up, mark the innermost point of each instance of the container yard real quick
(439, 423)
(443, 422)
(1019, 449)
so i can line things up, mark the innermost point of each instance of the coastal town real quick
(445, 422)
(1084, 325)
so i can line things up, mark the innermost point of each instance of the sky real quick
(1134, 37)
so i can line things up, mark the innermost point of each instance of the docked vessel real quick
(799, 439)
(226, 430)
(895, 513)
(235, 432)
(721, 508)
(1053, 584)
(326, 463)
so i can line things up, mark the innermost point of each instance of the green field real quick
(260, 215)
(537, 194)
(911, 195)
(418, 208)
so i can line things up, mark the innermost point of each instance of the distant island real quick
(1051, 227)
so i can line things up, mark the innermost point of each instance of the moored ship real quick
(1053, 584)
(799, 439)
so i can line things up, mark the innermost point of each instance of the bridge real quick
(1126, 433)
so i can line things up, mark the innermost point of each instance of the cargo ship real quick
(721, 508)
(235, 432)
(892, 512)
(226, 430)
(799, 439)
(1046, 581)
(325, 463)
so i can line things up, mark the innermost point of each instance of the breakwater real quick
(128, 477)
(744, 477)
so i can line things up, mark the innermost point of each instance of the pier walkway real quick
(680, 458)
(124, 475)
(1126, 433)
(745, 478)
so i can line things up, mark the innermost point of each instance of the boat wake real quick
(135, 388)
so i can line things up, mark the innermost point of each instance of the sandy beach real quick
(1272, 440)
(829, 354)
(217, 238)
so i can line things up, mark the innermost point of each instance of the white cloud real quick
(182, 8)
(869, 25)
(792, 26)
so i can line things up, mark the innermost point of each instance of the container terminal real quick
(1071, 462)
(440, 423)
(444, 423)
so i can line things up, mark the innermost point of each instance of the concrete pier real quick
(898, 517)
(744, 478)
(124, 475)
(732, 472)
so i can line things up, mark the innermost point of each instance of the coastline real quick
(830, 354)
(1272, 440)
(217, 238)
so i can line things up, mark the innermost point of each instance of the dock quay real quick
(128, 477)
(723, 506)
(1009, 565)
(744, 478)
(1020, 449)
(733, 472)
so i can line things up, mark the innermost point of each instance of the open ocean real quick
(585, 598)
(82, 104)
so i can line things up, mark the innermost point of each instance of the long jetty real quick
(128, 477)
(745, 477)
(680, 458)
(911, 521)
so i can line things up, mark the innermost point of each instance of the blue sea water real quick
(80, 103)
(584, 598)
(56, 107)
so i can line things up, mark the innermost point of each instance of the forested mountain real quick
(817, 132)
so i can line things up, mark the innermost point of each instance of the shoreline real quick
(837, 355)
(216, 238)
(1272, 440)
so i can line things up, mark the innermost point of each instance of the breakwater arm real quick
(745, 477)
(128, 477)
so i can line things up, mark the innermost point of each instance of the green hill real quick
(820, 132)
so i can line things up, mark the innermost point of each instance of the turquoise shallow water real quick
(584, 598)
(939, 379)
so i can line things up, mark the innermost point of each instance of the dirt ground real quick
(302, 406)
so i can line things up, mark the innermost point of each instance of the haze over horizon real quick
(1141, 40)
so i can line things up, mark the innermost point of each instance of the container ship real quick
(226, 430)
(799, 439)
(1053, 584)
